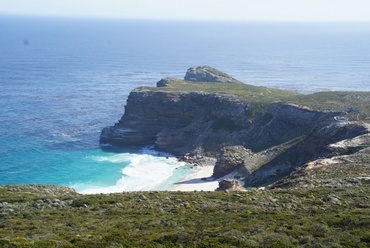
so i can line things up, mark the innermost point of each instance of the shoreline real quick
(200, 180)
(195, 181)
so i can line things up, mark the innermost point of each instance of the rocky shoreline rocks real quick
(197, 159)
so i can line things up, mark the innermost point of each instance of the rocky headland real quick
(260, 133)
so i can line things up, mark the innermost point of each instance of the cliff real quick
(281, 130)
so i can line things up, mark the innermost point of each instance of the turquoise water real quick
(63, 80)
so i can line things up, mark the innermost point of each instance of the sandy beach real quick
(194, 181)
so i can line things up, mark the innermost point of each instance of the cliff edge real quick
(209, 111)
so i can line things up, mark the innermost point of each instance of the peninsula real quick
(260, 135)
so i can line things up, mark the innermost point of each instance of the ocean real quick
(63, 80)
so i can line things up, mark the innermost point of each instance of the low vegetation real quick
(355, 103)
(40, 216)
(245, 92)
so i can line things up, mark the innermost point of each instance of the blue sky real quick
(225, 10)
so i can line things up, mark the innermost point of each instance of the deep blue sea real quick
(63, 80)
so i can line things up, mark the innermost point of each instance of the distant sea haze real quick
(63, 80)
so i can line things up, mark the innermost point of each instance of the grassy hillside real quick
(244, 92)
(37, 216)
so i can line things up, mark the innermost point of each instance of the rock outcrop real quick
(232, 158)
(230, 185)
(208, 74)
(266, 136)
(167, 81)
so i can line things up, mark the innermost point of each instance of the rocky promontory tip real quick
(208, 74)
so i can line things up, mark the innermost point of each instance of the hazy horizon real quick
(192, 10)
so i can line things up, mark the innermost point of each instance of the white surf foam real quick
(149, 170)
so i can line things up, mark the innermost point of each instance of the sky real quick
(207, 10)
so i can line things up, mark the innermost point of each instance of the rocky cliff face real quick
(233, 158)
(181, 122)
(278, 137)
(173, 121)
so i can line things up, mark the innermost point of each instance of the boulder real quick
(166, 81)
(231, 158)
(229, 184)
